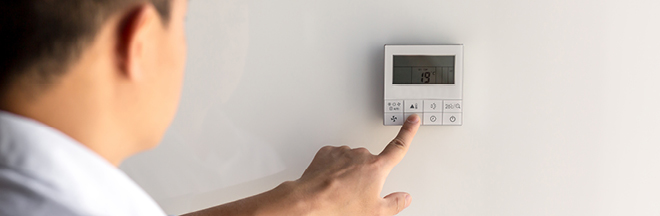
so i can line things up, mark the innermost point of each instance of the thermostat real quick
(426, 80)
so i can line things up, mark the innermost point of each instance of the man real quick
(84, 84)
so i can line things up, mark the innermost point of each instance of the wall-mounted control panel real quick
(426, 80)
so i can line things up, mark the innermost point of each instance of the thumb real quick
(396, 202)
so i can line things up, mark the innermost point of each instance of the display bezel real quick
(423, 91)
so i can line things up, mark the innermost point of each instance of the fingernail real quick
(408, 200)
(413, 118)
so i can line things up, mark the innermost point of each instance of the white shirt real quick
(45, 172)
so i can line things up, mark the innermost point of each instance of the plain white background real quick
(561, 103)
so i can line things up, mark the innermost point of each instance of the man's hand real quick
(345, 181)
(339, 181)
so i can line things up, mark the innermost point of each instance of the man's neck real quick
(78, 114)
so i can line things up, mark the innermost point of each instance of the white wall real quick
(562, 103)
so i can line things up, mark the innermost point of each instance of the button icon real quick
(432, 105)
(393, 119)
(432, 118)
(393, 106)
(452, 119)
(412, 106)
(453, 106)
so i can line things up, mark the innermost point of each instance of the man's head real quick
(42, 37)
(112, 65)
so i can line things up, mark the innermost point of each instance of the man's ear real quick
(134, 34)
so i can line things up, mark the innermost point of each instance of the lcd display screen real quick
(423, 69)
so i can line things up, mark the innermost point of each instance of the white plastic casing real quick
(446, 98)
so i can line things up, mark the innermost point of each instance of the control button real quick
(393, 119)
(453, 106)
(433, 106)
(406, 115)
(432, 119)
(394, 106)
(413, 106)
(452, 119)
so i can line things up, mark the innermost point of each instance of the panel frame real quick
(423, 91)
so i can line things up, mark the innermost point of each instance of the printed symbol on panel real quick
(433, 106)
(458, 106)
(414, 106)
(391, 108)
(389, 103)
(449, 106)
(393, 118)
(433, 118)
(398, 104)
(452, 119)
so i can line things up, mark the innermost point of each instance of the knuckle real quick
(399, 143)
(344, 150)
(326, 147)
(362, 151)
(325, 151)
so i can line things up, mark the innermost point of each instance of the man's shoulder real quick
(43, 171)
(22, 195)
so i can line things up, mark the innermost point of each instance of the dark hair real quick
(39, 38)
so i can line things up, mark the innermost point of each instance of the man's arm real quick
(339, 181)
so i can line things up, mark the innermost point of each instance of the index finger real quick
(397, 148)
